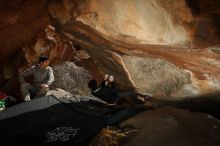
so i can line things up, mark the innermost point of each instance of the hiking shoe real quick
(27, 98)
(141, 99)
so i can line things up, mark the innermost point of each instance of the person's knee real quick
(42, 91)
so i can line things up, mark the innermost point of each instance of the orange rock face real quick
(158, 47)
(20, 22)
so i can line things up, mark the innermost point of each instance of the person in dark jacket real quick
(106, 91)
(109, 91)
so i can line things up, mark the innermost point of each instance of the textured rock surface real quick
(201, 66)
(71, 78)
(180, 33)
(173, 127)
(155, 76)
(131, 19)
(164, 48)
(21, 21)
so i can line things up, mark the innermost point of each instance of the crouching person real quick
(109, 91)
(43, 77)
(106, 91)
